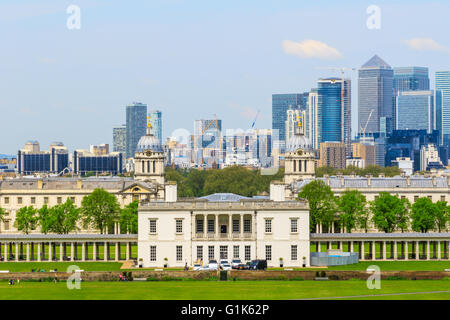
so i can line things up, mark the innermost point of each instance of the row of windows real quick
(178, 226)
(19, 200)
(268, 225)
(211, 226)
(294, 251)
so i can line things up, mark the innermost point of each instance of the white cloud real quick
(311, 49)
(426, 44)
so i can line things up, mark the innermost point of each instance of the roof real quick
(379, 235)
(376, 62)
(225, 197)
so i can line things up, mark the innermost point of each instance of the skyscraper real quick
(207, 142)
(136, 126)
(443, 84)
(334, 104)
(375, 89)
(280, 105)
(291, 122)
(120, 139)
(156, 121)
(411, 79)
(314, 133)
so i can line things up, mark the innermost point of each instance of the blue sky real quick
(190, 59)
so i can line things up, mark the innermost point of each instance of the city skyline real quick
(67, 86)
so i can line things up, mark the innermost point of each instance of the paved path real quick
(127, 265)
(376, 295)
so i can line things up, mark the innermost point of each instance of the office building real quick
(332, 154)
(120, 139)
(314, 114)
(404, 164)
(156, 121)
(292, 118)
(100, 149)
(32, 160)
(207, 143)
(443, 85)
(429, 157)
(85, 162)
(366, 151)
(375, 90)
(136, 126)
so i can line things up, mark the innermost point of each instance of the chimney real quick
(408, 181)
(433, 179)
(79, 183)
(369, 178)
(39, 184)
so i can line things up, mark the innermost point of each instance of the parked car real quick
(224, 261)
(197, 267)
(225, 266)
(235, 263)
(243, 266)
(213, 265)
(258, 265)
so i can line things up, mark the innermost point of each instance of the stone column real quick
(448, 250)
(395, 250)
(406, 250)
(241, 225)
(384, 250)
(116, 253)
(17, 252)
(49, 251)
(216, 217)
(351, 246)
(105, 251)
(61, 255)
(230, 226)
(439, 250)
(28, 251)
(363, 251)
(127, 251)
(341, 247)
(417, 250)
(94, 251)
(72, 252)
(6, 251)
(428, 250)
(205, 225)
(83, 251)
(39, 252)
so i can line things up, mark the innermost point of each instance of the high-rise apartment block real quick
(156, 122)
(332, 154)
(136, 126)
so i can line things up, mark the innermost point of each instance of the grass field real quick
(215, 290)
(61, 266)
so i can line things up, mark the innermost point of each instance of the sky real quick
(191, 59)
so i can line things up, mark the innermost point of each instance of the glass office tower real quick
(136, 126)
(375, 90)
(156, 121)
(411, 79)
(443, 84)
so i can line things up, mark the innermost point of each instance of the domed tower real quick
(299, 158)
(149, 158)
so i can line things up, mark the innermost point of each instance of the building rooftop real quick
(376, 62)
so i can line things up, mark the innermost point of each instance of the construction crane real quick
(256, 117)
(342, 70)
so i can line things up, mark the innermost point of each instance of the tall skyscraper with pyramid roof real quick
(375, 89)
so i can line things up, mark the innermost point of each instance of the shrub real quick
(395, 278)
(333, 277)
(323, 274)
(152, 279)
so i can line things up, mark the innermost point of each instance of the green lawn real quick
(61, 266)
(396, 266)
(209, 290)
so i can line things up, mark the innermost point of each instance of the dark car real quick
(243, 266)
(258, 265)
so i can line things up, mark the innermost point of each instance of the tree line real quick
(99, 211)
(387, 212)
(374, 170)
(234, 179)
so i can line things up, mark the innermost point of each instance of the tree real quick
(100, 210)
(389, 212)
(195, 181)
(129, 218)
(183, 189)
(423, 215)
(322, 203)
(44, 219)
(64, 218)
(26, 219)
(3, 213)
(351, 205)
(235, 179)
(442, 215)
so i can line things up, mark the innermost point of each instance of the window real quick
(45, 200)
(6, 200)
(72, 199)
(442, 198)
(235, 225)
(135, 197)
(430, 197)
(402, 197)
(33, 200)
(152, 253)
(294, 225)
(199, 252)
(416, 198)
(179, 253)
(247, 226)
(59, 200)
(210, 225)
(268, 253)
(223, 252)
(19, 200)
(236, 252)
(152, 225)
(294, 252)
(179, 226)
(210, 252)
(268, 223)
(7, 225)
(199, 226)
(247, 253)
